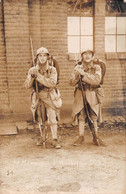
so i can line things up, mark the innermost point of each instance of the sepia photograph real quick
(62, 96)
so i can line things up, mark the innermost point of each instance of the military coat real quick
(92, 78)
(46, 80)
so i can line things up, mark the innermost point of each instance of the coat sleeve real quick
(50, 81)
(73, 79)
(29, 80)
(93, 79)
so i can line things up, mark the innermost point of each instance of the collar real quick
(43, 69)
(88, 66)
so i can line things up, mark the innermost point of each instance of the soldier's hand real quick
(76, 72)
(33, 76)
(33, 72)
(79, 71)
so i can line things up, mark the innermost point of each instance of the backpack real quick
(55, 64)
(101, 64)
(103, 68)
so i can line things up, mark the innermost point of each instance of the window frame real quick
(81, 35)
(119, 54)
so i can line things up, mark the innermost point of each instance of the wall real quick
(46, 22)
(116, 67)
(54, 37)
(3, 69)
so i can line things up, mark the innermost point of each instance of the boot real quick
(79, 141)
(56, 144)
(39, 142)
(101, 142)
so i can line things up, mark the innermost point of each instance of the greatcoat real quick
(46, 81)
(92, 78)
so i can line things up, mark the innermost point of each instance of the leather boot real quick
(79, 141)
(39, 142)
(56, 144)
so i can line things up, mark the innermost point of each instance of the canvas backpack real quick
(103, 68)
(55, 64)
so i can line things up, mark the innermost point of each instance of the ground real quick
(30, 169)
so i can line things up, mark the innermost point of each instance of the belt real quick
(88, 87)
(40, 88)
(94, 87)
(46, 89)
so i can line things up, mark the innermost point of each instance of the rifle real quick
(89, 120)
(40, 115)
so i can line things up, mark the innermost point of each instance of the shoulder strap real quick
(49, 70)
(103, 68)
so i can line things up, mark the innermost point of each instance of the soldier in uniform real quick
(46, 77)
(91, 77)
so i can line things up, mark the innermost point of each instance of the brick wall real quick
(46, 22)
(16, 23)
(3, 68)
(114, 79)
(114, 84)
(54, 37)
(99, 28)
(34, 7)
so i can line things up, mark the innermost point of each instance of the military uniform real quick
(92, 79)
(91, 75)
(46, 78)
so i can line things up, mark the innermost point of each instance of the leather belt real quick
(88, 87)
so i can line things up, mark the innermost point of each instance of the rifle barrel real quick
(32, 51)
(90, 122)
(39, 108)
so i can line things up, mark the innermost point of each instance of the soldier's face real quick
(87, 57)
(42, 57)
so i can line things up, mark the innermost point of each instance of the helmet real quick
(86, 51)
(42, 50)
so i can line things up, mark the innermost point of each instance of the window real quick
(115, 34)
(80, 34)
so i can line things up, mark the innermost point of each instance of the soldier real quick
(91, 75)
(46, 77)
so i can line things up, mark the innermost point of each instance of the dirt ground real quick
(30, 169)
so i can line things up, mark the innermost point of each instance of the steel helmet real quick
(86, 51)
(42, 50)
